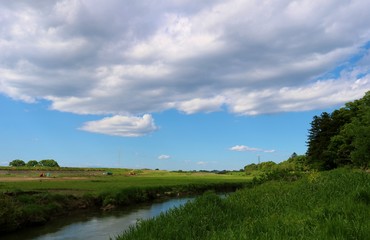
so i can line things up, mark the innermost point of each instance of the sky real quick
(178, 84)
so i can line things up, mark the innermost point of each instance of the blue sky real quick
(197, 141)
(176, 84)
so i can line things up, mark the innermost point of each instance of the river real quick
(94, 224)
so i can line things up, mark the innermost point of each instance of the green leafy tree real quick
(17, 163)
(342, 137)
(296, 162)
(350, 146)
(32, 163)
(267, 166)
(250, 168)
(48, 163)
(359, 128)
(340, 147)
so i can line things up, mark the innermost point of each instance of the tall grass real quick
(327, 205)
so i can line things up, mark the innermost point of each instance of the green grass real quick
(96, 184)
(28, 202)
(322, 205)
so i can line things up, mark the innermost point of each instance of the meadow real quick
(28, 199)
(320, 205)
(95, 182)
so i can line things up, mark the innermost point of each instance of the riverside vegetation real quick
(27, 199)
(320, 205)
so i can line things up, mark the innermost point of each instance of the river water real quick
(94, 224)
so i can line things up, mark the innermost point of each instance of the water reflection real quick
(94, 225)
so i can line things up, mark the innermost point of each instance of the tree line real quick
(337, 139)
(34, 163)
(294, 163)
(342, 137)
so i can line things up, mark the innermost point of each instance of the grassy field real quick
(94, 181)
(321, 205)
(28, 199)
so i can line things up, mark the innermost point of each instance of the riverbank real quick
(21, 209)
(96, 224)
(28, 203)
(320, 205)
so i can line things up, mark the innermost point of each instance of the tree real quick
(267, 166)
(32, 163)
(340, 148)
(48, 163)
(250, 168)
(351, 144)
(359, 128)
(342, 137)
(17, 163)
(296, 162)
(294, 155)
(322, 129)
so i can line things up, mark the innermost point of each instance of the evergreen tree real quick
(322, 130)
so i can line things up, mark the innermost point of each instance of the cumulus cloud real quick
(243, 148)
(245, 57)
(122, 126)
(163, 157)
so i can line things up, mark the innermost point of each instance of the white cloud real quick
(269, 151)
(249, 57)
(122, 126)
(163, 157)
(201, 163)
(243, 148)
(201, 105)
(317, 95)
